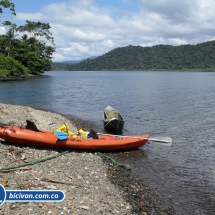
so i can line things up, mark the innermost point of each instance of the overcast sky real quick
(85, 28)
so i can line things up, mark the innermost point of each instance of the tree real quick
(36, 60)
(11, 67)
(40, 36)
(38, 30)
(23, 53)
(32, 52)
(3, 42)
(7, 4)
(10, 35)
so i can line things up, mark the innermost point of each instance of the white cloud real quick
(2, 30)
(82, 29)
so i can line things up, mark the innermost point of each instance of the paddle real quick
(164, 141)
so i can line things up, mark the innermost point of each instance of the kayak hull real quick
(18, 135)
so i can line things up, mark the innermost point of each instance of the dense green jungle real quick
(199, 57)
(25, 49)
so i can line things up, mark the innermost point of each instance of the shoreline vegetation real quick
(19, 78)
(199, 57)
(92, 184)
(25, 49)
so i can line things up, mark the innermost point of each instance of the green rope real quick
(35, 161)
(126, 166)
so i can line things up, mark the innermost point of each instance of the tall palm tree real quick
(10, 35)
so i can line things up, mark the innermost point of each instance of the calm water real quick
(180, 105)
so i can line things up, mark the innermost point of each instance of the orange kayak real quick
(15, 134)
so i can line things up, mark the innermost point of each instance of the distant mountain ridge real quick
(64, 65)
(77, 61)
(160, 57)
(70, 61)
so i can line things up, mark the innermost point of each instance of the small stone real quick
(53, 187)
(127, 207)
(84, 207)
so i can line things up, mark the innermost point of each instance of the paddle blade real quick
(164, 141)
(61, 135)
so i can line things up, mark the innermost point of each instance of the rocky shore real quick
(91, 183)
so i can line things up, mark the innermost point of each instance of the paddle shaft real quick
(167, 140)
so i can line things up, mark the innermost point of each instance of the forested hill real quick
(159, 57)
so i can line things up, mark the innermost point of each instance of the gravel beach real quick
(91, 183)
